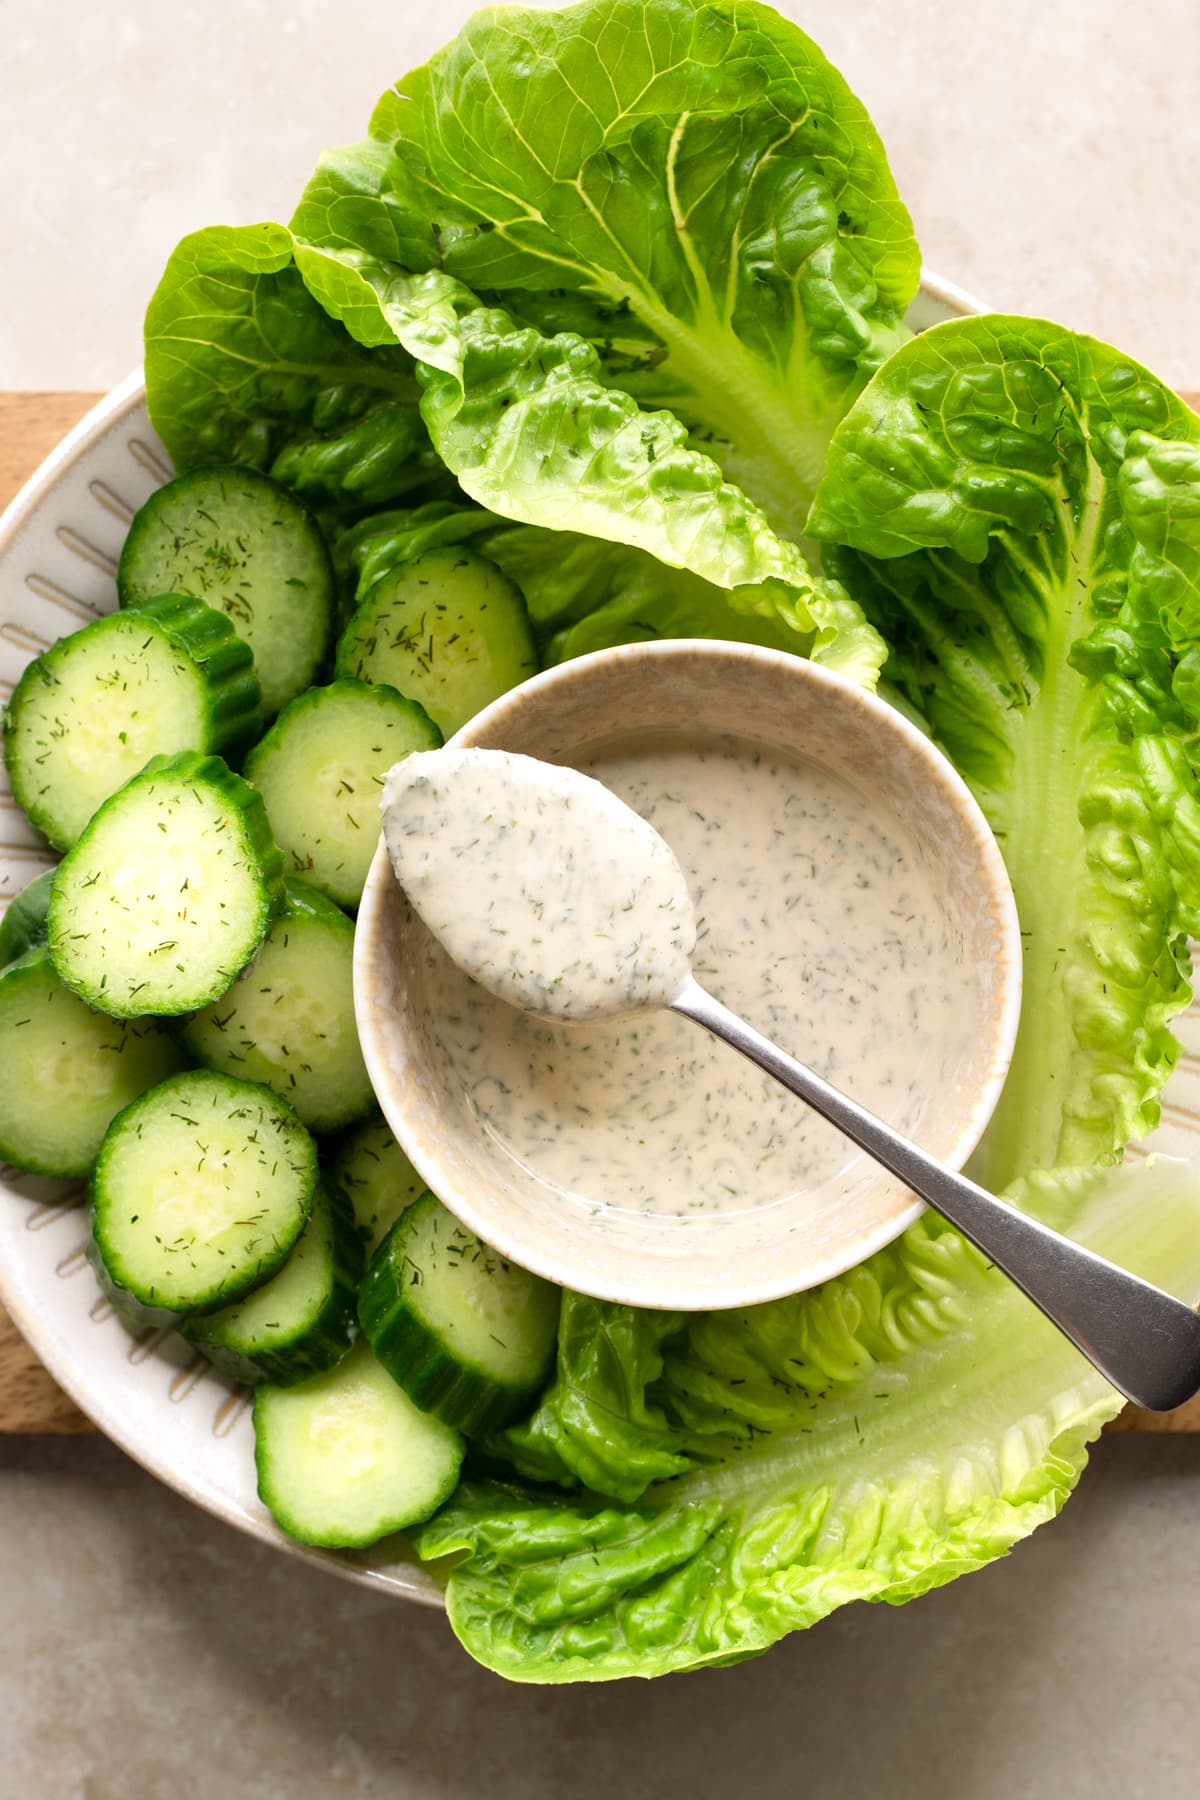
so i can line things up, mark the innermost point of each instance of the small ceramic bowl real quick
(727, 1258)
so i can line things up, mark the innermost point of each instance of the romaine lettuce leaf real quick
(528, 428)
(583, 593)
(1022, 507)
(597, 1424)
(242, 365)
(869, 1440)
(687, 184)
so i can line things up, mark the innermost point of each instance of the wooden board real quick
(30, 426)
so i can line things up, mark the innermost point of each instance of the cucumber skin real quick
(300, 900)
(179, 488)
(306, 901)
(134, 1307)
(336, 1171)
(23, 926)
(134, 1314)
(273, 743)
(17, 1154)
(226, 661)
(278, 1505)
(189, 765)
(232, 696)
(129, 596)
(355, 647)
(325, 1342)
(414, 1358)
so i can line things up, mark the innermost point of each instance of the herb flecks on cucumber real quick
(448, 629)
(168, 892)
(320, 769)
(245, 545)
(288, 1021)
(201, 1189)
(301, 1322)
(88, 714)
(66, 1071)
(376, 1177)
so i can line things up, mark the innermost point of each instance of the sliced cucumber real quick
(302, 1320)
(448, 629)
(66, 1071)
(345, 1458)
(289, 1020)
(240, 541)
(469, 1336)
(168, 892)
(376, 1177)
(201, 1188)
(24, 922)
(93, 710)
(375, 545)
(320, 769)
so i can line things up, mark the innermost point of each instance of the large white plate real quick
(59, 541)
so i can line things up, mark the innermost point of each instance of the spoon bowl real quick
(685, 692)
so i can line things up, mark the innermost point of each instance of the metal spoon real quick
(1141, 1339)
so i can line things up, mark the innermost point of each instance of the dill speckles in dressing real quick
(816, 920)
(539, 883)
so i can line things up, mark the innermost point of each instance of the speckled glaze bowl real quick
(704, 1259)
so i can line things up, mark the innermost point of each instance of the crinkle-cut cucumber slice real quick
(201, 1189)
(302, 1320)
(469, 1336)
(448, 629)
(168, 892)
(320, 769)
(288, 1020)
(376, 1177)
(66, 1071)
(24, 922)
(249, 548)
(91, 711)
(345, 1458)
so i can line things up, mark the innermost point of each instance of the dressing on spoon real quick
(539, 883)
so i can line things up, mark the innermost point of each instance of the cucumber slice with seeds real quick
(320, 769)
(87, 715)
(168, 892)
(66, 1071)
(376, 1177)
(469, 1336)
(448, 629)
(245, 545)
(24, 923)
(201, 1189)
(289, 1020)
(302, 1320)
(345, 1458)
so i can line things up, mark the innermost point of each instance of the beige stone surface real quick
(152, 1654)
(1050, 156)
(1050, 153)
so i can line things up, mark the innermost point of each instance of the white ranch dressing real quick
(816, 919)
(539, 883)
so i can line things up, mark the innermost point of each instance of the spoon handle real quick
(1144, 1341)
